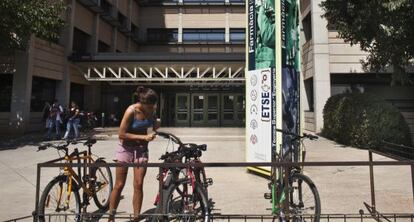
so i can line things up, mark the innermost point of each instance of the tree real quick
(383, 28)
(22, 18)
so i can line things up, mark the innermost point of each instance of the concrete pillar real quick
(22, 90)
(63, 86)
(321, 79)
(95, 35)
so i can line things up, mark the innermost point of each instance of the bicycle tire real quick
(46, 198)
(102, 202)
(299, 208)
(172, 205)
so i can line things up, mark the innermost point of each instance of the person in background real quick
(133, 146)
(73, 120)
(55, 112)
(45, 115)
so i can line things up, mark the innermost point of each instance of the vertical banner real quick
(290, 69)
(261, 81)
(272, 79)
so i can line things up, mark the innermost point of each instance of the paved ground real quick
(342, 189)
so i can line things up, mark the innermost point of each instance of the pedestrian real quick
(55, 119)
(133, 146)
(45, 114)
(73, 120)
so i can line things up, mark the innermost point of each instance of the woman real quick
(133, 147)
(73, 121)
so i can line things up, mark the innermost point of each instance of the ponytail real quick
(145, 95)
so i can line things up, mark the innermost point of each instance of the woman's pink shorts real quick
(131, 154)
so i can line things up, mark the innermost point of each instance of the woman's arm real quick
(125, 123)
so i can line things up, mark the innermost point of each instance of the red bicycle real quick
(185, 193)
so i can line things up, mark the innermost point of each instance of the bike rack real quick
(373, 213)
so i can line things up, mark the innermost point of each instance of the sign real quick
(260, 119)
(273, 83)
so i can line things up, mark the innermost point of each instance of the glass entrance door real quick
(233, 107)
(197, 113)
(205, 109)
(182, 111)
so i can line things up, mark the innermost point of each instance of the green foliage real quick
(363, 120)
(382, 28)
(22, 18)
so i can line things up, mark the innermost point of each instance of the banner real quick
(273, 77)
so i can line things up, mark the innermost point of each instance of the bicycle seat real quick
(89, 142)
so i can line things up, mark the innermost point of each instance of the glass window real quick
(80, 41)
(212, 116)
(237, 1)
(6, 85)
(198, 102)
(198, 117)
(203, 35)
(162, 35)
(213, 102)
(103, 47)
(228, 102)
(228, 116)
(181, 116)
(237, 35)
(182, 102)
(43, 90)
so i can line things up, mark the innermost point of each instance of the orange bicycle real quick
(61, 195)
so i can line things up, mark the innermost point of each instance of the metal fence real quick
(371, 215)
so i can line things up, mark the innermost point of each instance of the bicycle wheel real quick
(183, 203)
(57, 203)
(102, 185)
(304, 200)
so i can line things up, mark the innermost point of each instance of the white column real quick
(321, 79)
(21, 91)
(63, 86)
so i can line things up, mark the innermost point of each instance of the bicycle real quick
(303, 197)
(61, 194)
(185, 190)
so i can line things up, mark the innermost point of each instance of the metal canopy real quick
(172, 68)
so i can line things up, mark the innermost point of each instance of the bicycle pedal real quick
(268, 196)
(209, 182)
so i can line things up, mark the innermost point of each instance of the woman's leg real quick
(121, 175)
(68, 126)
(139, 174)
(76, 127)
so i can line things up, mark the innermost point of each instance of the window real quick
(81, 41)
(162, 35)
(103, 47)
(203, 35)
(237, 35)
(307, 27)
(6, 85)
(43, 90)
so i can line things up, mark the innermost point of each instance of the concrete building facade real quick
(190, 51)
(330, 66)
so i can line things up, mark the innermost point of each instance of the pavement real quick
(342, 189)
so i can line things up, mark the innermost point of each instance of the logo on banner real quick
(253, 80)
(253, 109)
(254, 124)
(253, 95)
(253, 139)
(266, 96)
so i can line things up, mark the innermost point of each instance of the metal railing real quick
(373, 213)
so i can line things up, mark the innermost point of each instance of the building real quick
(190, 51)
(331, 66)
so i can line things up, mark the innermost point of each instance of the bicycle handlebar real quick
(89, 142)
(184, 150)
(171, 136)
(296, 136)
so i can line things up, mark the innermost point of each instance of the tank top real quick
(138, 127)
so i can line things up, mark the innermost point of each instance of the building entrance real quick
(209, 109)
